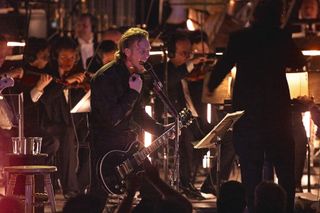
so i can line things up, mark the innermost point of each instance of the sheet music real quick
(219, 130)
(6, 114)
(298, 84)
(83, 105)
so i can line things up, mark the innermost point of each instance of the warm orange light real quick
(209, 113)
(311, 52)
(190, 25)
(147, 135)
(15, 44)
(306, 119)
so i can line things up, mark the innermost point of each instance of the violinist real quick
(35, 58)
(179, 66)
(58, 101)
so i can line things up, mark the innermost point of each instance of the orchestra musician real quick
(179, 66)
(35, 58)
(68, 129)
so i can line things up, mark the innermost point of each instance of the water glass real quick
(37, 142)
(18, 145)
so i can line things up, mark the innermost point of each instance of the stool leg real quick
(11, 184)
(49, 189)
(28, 193)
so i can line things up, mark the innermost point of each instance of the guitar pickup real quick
(124, 169)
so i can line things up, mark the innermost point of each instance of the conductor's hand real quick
(135, 82)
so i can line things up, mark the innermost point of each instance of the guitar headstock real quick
(6, 82)
(186, 117)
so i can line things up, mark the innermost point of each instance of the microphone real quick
(149, 69)
(147, 66)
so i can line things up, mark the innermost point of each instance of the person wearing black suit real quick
(58, 99)
(261, 53)
(179, 66)
(84, 37)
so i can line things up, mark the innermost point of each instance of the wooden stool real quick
(29, 172)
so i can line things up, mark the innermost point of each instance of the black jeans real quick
(253, 146)
(226, 159)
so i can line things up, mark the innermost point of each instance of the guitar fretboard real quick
(158, 142)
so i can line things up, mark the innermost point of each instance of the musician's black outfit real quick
(116, 109)
(58, 122)
(261, 54)
(188, 135)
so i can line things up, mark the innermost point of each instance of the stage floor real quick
(209, 204)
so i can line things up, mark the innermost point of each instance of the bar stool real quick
(29, 172)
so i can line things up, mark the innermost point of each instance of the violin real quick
(32, 76)
(200, 70)
(85, 84)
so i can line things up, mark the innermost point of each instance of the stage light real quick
(209, 113)
(311, 52)
(147, 135)
(206, 161)
(15, 44)
(157, 52)
(190, 25)
(306, 119)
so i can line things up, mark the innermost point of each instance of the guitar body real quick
(115, 166)
(110, 173)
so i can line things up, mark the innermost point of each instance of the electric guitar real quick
(116, 165)
(5, 82)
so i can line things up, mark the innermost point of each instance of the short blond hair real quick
(128, 38)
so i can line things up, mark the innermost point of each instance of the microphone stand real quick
(158, 89)
(166, 153)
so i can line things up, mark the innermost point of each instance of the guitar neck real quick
(143, 153)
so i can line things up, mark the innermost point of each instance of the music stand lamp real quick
(213, 139)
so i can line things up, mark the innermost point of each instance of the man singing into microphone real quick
(115, 102)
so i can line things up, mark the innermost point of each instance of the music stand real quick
(213, 138)
(83, 105)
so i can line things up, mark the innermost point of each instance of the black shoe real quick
(191, 192)
(208, 189)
